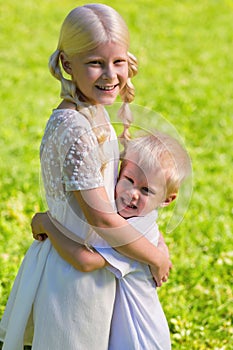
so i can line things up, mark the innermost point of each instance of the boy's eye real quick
(129, 179)
(145, 189)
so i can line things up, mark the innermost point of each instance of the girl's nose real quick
(109, 73)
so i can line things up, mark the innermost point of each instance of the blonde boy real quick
(152, 170)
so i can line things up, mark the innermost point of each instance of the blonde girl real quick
(53, 305)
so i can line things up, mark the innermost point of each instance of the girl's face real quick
(138, 193)
(101, 73)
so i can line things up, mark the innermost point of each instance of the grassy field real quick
(185, 57)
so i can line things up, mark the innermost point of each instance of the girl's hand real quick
(160, 273)
(162, 246)
(37, 226)
(40, 237)
(73, 252)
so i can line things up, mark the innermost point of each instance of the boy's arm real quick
(73, 252)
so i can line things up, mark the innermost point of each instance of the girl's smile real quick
(100, 73)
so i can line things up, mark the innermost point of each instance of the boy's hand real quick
(37, 226)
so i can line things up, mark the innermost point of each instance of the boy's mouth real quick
(128, 205)
(131, 206)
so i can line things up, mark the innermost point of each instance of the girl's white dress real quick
(52, 305)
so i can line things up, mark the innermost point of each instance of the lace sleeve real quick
(82, 164)
(69, 155)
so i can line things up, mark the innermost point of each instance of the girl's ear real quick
(65, 63)
(168, 200)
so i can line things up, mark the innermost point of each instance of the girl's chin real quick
(107, 97)
(107, 101)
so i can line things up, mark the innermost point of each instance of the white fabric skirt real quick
(54, 306)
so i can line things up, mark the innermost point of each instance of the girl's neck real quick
(67, 105)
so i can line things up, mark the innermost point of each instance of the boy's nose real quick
(134, 194)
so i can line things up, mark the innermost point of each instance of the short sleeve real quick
(119, 265)
(82, 164)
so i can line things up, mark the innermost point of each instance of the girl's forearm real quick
(132, 243)
(73, 252)
(115, 229)
(119, 234)
(144, 251)
(163, 246)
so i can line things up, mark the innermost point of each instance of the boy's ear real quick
(169, 199)
(65, 63)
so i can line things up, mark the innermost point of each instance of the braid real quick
(133, 65)
(68, 88)
(54, 66)
(127, 95)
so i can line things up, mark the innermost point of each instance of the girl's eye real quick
(120, 61)
(94, 63)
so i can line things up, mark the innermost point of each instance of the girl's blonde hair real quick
(160, 151)
(85, 28)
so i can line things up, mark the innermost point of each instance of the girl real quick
(52, 305)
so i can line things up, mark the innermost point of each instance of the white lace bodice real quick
(70, 161)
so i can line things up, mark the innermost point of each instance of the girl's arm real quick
(121, 235)
(162, 245)
(73, 252)
(117, 232)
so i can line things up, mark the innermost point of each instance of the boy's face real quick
(137, 193)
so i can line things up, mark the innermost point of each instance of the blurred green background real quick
(185, 55)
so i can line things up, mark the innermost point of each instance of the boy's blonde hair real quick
(163, 152)
(85, 28)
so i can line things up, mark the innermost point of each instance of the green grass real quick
(184, 50)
